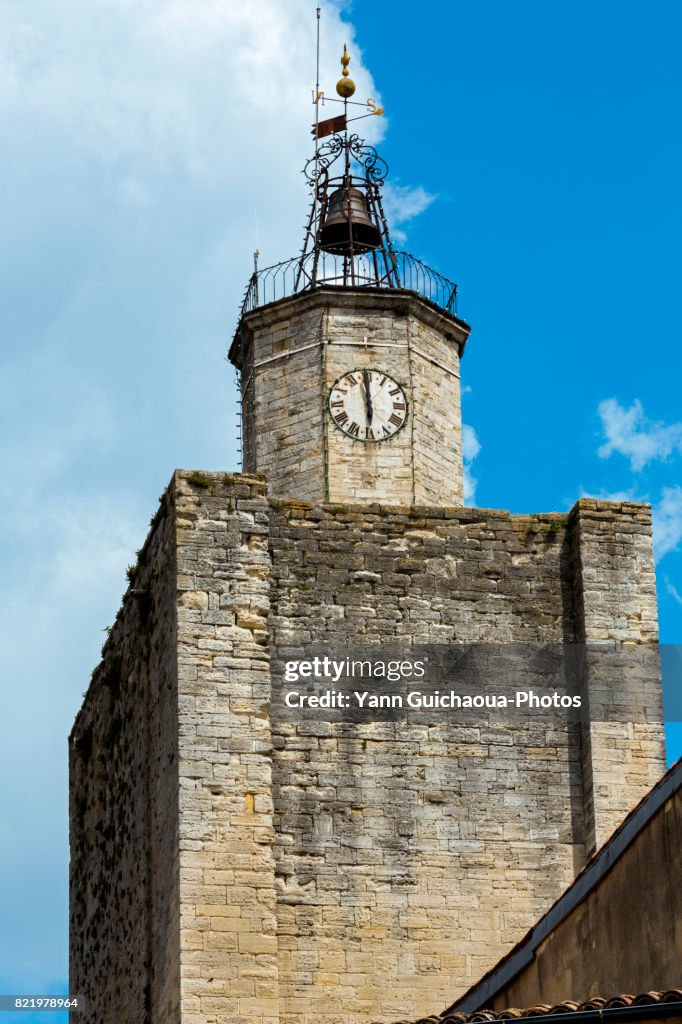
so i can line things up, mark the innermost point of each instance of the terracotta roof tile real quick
(673, 995)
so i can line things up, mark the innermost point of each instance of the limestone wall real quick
(291, 353)
(336, 873)
(410, 859)
(228, 937)
(283, 393)
(639, 901)
(123, 806)
(614, 584)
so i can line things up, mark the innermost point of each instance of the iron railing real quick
(294, 276)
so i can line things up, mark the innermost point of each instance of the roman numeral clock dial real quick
(368, 405)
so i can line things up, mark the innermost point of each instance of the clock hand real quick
(368, 397)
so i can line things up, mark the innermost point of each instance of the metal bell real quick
(347, 227)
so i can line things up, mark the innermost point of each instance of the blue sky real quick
(535, 158)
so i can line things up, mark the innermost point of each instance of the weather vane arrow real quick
(345, 87)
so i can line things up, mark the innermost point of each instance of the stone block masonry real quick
(123, 804)
(230, 866)
(291, 352)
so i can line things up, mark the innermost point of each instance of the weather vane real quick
(346, 239)
(345, 88)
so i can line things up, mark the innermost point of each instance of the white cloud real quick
(171, 81)
(114, 104)
(629, 495)
(667, 516)
(631, 434)
(402, 204)
(471, 446)
(672, 590)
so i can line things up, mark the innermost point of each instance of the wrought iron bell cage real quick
(347, 241)
(347, 219)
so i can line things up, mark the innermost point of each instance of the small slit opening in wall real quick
(249, 803)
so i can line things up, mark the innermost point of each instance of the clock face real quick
(368, 405)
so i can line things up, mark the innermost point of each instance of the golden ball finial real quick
(345, 86)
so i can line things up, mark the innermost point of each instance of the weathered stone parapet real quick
(612, 567)
(614, 572)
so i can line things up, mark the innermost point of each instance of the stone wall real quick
(410, 860)
(172, 866)
(283, 400)
(625, 935)
(334, 872)
(291, 352)
(123, 806)
(228, 936)
(614, 587)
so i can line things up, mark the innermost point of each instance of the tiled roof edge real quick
(622, 1007)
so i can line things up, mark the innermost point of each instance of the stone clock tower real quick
(232, 863)
(350, 378)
